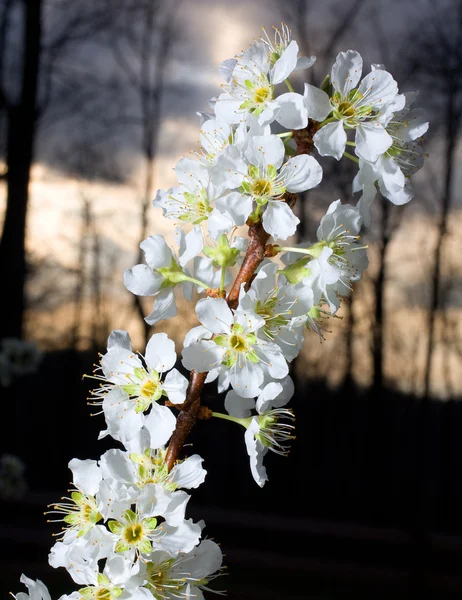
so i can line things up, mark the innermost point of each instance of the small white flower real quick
(37, 590)
(392, 171)
(177, 577)
(279, 304)
(251, 78)
(162, 273)
(80, 511)
(353, 106)
(271, 429)
(268, 179)
(130, 386)
(235, 348)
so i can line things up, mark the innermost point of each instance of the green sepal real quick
(223, 255)
(115, 527)
(130, 516)
(77, 497)
(103, 580)
(150, 524)
(173, 274)
(121, 547)
(326, 86)
(297, 271)
(220, 340)
(145, 547)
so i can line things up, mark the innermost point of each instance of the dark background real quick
(102, 96)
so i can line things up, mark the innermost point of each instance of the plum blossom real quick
(279, 304)
(268, 179)
(352, 106)
(130, 386)
(250, 81)
(234, 348)
(271, 429)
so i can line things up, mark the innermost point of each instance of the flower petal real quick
(279, 220)
(141, 281)
(215, 314)
(331, 139)
(264, 150)
(175, 385)
(160, 353)
(301, 173)
(164, 307)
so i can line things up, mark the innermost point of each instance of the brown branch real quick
(191, 409)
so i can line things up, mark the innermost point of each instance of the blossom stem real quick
(351, 144)
(293, 249)
(286, 134)
(196, 281)
(243, 422)
(351, 157)
(326, 121)
(223, 277)
(289, 85)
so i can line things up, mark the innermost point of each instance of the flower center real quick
(149, 388)
(262, 187)
(346, 109)
(238, 343)
(261, 94)
(133, 533)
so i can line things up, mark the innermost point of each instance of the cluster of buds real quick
(125, 530)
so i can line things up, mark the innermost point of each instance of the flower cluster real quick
(125, 529)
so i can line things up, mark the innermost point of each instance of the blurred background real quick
(98, 102)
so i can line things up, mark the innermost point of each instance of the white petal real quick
(123, 423)
(114, 498)
(206, 559)
(346, 71)
(237, 205)
(227, 109)
(219, 222)
(301, 173)
(164, 307)
(160, 423)
(291, 111)
(377, 89)
(160, 353)
(317, 103)
(193, 245)
(189, 473)
(331, 139)
(256, 452)
(192, 174)
(277, 367)
(87, 475)
(156, 251)
(202, 356)
(284, 66)
(279, 220)
(141, 281)
(371, 141)
(215, 314)
(116, 464)
(264, 150)
(195, 334)
(304, 62)
(246, 378)
(237, 406)
(182, 538)
(117, 362)
(119, 337)
(227, 67)
(175, 385)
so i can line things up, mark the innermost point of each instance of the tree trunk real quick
(20, 146)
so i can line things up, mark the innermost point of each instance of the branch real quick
(191, 409)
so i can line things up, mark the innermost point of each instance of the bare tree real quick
(142, 34)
